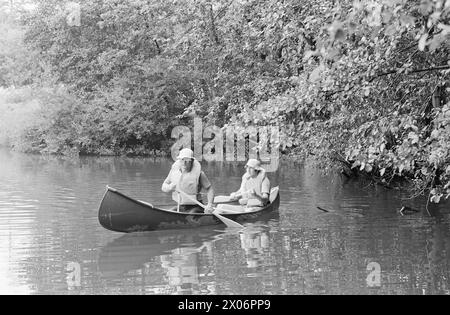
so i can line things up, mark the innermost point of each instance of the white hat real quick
(254, 163)
(185, 153)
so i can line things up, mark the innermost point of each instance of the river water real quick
(51, 241)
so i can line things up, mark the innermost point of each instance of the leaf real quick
(382, 171)
(414, 137)
(425, 7)
(339, 35)
(445, 28)
(436, 198)
(309, 54)
(423, 42)
(391, 30)
(424, 171)
(336, 31)
(436, 42)
(435, 134)
(332, 53)
(368, 168)
(401, 168)
(316, 73)
(363, 166)
(407, 20)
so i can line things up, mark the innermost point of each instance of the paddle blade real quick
(228, 222)
(222, 199)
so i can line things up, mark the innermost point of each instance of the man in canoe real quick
(254, 191)
(187, 176)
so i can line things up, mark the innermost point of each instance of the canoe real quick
(121, 213)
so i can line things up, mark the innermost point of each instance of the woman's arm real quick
(264, 197)
(240, 193)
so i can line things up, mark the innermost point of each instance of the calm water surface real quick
(51, 241)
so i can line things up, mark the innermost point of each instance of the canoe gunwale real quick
(111, 189)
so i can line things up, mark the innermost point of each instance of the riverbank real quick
(371, 87)
(19, 112)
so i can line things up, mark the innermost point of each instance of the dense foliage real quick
(363, 82)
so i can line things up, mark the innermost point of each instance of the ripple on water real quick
(49, 228)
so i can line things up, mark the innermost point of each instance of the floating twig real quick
(405, 209)
(322, 209)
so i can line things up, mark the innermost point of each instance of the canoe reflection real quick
(132, 251)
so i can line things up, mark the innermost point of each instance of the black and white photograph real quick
(224, 153)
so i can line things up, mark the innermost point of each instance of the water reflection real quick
(175, 253)
(132, 251)
(185, 261)
(48, 221)
(254, 242)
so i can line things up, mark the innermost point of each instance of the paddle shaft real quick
(228, 199)
(226, 221)
(192, 199)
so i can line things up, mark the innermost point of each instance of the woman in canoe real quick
(254, 191)
(187, 176)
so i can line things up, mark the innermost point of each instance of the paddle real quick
(230, 211)
(158, 205)
(226, 221)
(228, 199)
(223, 199)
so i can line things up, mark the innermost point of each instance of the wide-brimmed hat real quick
(185, 153)
(254, 163)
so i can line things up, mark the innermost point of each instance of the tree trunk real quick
(214, 36)
(436, 98)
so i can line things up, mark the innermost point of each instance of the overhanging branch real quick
(408, 72)
(393, 72)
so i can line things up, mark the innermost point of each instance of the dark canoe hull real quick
(121, 213)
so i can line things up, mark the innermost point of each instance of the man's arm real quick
(168, 186)
(210, 195)
(206, 185)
